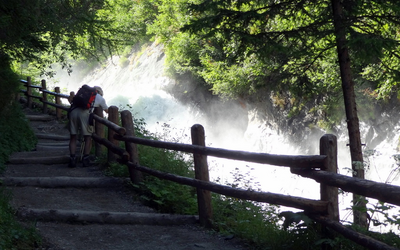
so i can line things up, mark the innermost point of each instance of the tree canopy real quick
(293, 41)
(50, 31)
(236, 48)
(45, 32)
(305, 48)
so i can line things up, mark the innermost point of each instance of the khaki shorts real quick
(79, 119)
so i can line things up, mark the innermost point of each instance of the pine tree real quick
(294, 38)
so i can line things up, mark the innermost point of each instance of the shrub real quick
(15, 135)
(13, 235)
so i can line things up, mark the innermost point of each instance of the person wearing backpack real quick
(83, 103)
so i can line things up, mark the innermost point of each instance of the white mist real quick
(140, 84)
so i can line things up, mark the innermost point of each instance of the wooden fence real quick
(322, 168)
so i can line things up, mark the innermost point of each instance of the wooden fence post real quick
(58, 101)
(201, 173)
(29, 92)
(99, 130)
(71, 97)
(127, 122)
(44, 97)
(112, 117)
(328, 147)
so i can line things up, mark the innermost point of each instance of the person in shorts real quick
(79, 121)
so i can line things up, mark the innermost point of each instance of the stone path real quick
(81, 208)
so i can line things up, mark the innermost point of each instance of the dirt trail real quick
(82, 205)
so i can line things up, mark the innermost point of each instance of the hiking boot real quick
(86, 161)
(72, 162)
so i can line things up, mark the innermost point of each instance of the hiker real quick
(78, 116)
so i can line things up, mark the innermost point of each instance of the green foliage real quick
(389, 238)
(42, 32)
(9, 82)
(260, 225)
(167, 196)
(16, 134)
(12, 234)
(123, 62)
(240, 48)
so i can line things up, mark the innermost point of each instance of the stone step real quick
(106, 217)
(63, 182)
(52, 137)
(55, 146)
(53, 143)
(40, 157)
(40, 117)
(40, 147)
(47, 170)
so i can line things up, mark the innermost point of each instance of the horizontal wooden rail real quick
(43, 98)
(110, 125)
(117, 150)
(33, 86)
(36, 97)
(312, 206)
(55, 94)
(357, 237)
(65, 108)
(380, 191)
(46, 91)
(301, 161)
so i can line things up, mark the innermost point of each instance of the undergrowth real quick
(14, 235)
(15, 135)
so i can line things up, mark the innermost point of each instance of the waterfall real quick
(142, 84)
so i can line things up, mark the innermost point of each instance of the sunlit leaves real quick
(50, 31)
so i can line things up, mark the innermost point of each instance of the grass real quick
(14, 235)
(15, 135)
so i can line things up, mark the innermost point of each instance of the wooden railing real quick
(322, 168)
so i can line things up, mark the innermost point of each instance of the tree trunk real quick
(359, 204)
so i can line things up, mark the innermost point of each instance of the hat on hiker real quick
(99, 90)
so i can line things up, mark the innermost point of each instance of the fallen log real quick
(63, 182)
(104, 217)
